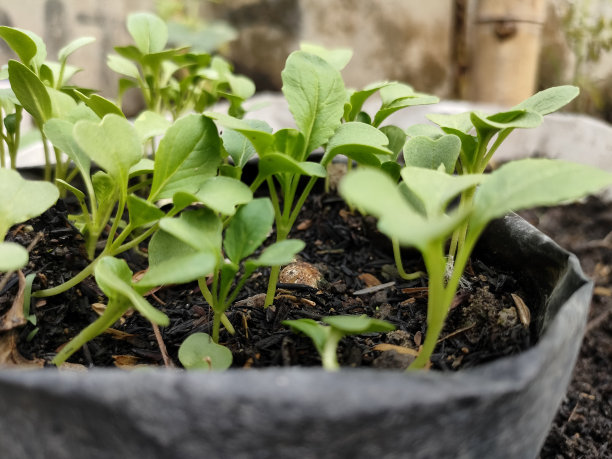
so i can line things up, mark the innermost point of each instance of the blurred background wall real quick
(485, 50)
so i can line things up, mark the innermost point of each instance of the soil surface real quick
(351, 271)
(583, 425)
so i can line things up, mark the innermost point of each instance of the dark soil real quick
(583, 425)
(351, 256)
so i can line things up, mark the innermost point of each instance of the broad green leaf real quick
(277, 163)
(314, 330)
(248, 229)
(435, 188)
(528, 183)
(238, 146)
(114, 277)
(46, 75)
(142, 212)
(427, 130)
(8, 99)
(74, 45)
(550, 100)
(149, 32)
(357, 141)
(164, 246)
(279, 253)
(177, 270)
(338, 58)
(241, 86)
(374, 192)
(358, 98)
(113, 144)
(200, 229)
(290, 142)
(106, 191)
(30, 91)
(41, 50)
(12, 257)
(144, 166)
(259, 135)
(460, 121)
(396, 137)
(189, 153)
(150, 124)
(200, 352)
(512, 119)
(62, 104)
(316, 95)
(223, 194)
(100, 105)
(355, 325)
(429, 153)
(20, 42)
(22, 199)
(59, 132)
(122, 66)
(390, 107)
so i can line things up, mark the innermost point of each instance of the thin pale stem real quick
(399, 265)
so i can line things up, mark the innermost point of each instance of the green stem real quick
(47, 175)
(71, 282)
(438, 302)
(329, 357)
(399, 265)
(120, 208)
(272, 281)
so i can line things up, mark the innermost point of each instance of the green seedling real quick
(480, 137)
(317, 98)
(228, 253)
(174, 80)
(200, 352)
(114, 277)
(416, 213)
(326, 337)
(186, 164)
(21, 200)
(39, 87)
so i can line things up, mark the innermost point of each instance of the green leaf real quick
(241, 86)
(142, 212)
(122, 66)
(20, 42)
(223, 194)
(356, 325)
(316, 95)
(178, 270)
(550, 100)
(290, 142)
(528, 183)
(338, 58)
(113, 144)
(396, 137)
(279, 253)
(164, 246)
(189, 153)
(22, 199)
(201, 229)
(259, 135)
(100, 105)
(62, 104)
(41, 50)
(238, 146)
(460, 121)
(144, 166)
(397, 96)
(149, 32)
(277, 163)
(358, 98)
(106, 191)
(512, 119)
(74, 45)
(429, 153)
(358, 141)
(315, 331)
(30, 91)
(248, 229)
(200, 352)
(59, 132)
(435, 188)
(114, 277)
(12, 257)
(150, 124)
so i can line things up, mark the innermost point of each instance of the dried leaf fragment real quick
(523, 311)
(368, 279)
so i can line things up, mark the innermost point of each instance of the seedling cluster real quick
(171, 179)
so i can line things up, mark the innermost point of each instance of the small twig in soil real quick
(597, 321)
(456, 332)
(162, 346)
(374, 288)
